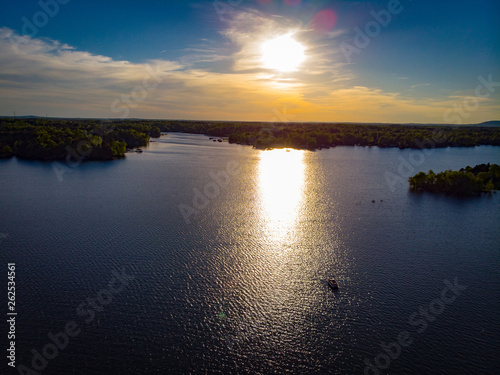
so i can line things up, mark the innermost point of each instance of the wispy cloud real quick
(224, 81)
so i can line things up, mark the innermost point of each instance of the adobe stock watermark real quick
(242, 329)
(139, 93)
(87, 311)
(372, 29)
(225, 7)
(282, 116)
(30, 28)
(426, 148)
(75, 157)
(211, 190)
(407, 168)
(462, 111)
(426, 314)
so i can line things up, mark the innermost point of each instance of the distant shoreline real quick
(50, 139)
(491, 123)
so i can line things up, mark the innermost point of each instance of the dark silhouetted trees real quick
(49, 139)
(466, 181)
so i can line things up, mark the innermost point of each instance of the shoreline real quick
(85, 140)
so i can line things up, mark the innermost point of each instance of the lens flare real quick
(324, 20)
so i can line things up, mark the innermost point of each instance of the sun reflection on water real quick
(281, 182)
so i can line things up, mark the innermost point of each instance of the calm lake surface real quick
(240, 286)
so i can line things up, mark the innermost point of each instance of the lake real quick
(199, 257)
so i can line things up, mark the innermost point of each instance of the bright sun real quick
(283, 53)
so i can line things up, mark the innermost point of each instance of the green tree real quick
(155, 132)
(118, 149)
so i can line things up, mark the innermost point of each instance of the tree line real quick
(314, 136)
(467, 181)
(49, 139)
(45, 139)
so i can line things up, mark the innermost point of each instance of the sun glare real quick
(283, 53)
(282, 180)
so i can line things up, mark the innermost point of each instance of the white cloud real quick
(419, 85)
(212, 81)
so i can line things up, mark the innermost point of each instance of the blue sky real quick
(84, 59)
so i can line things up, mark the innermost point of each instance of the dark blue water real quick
(230, 250)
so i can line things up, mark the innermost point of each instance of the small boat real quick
(333, 284)
(138, 150)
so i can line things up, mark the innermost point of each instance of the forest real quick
(53, 139)
(44, 139)
(467, 181)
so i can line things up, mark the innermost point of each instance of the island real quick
(99, 139)
(480, 179)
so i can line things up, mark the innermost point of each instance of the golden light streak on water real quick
(281, 182)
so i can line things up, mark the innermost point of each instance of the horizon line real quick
(244, 121)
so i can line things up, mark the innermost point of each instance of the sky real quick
(390, 61)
